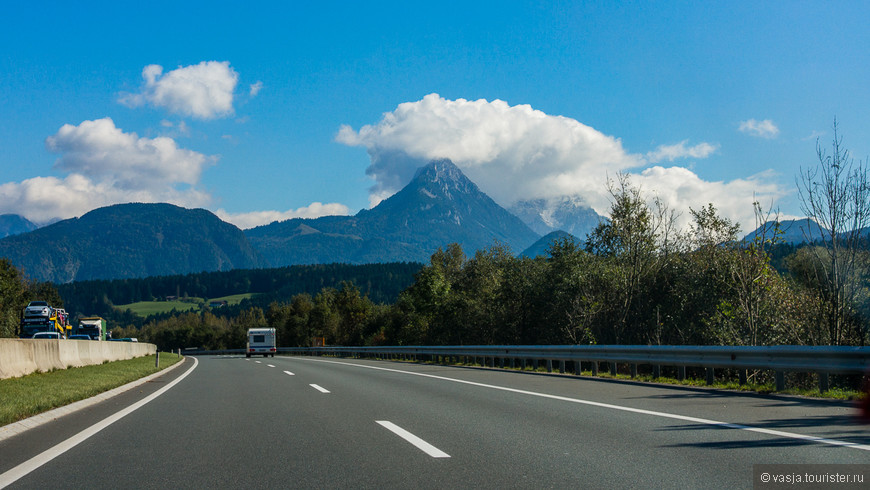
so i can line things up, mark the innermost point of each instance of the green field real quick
(235, 298)
(147, 308)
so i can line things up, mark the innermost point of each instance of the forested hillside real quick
(130, 240)
(382, 283)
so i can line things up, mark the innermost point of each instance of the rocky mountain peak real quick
(442, 178)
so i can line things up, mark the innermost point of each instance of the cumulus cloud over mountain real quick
(518, 153)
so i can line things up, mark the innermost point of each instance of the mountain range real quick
(566, 213)
(12, 224)
(438, 207)
(130, 240)
(792, 232)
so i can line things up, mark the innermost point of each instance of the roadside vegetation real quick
(30, 395)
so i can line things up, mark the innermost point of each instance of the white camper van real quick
(261, 341)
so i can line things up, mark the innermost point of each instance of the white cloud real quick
(257, 218)
(105, 166)
(204, 91)
(680, 150)
(682, 189)
(517, 153)
(762, 129)
(46, 199)
(255, 88)
(100, 150)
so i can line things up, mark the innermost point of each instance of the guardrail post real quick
(594, 368)
(742, 376)
(681, 373)
(780, 381)
(657, 371)
(535, 364)
(711, 377)
(562, 366)
(613, 369)
(549, 365)
(824, 382)
(633, 371)
(577, 368)
(157, 360)
(501, 362)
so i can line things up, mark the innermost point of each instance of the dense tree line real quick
(634, 280)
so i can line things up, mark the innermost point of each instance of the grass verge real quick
(39, 392)
(835, 393)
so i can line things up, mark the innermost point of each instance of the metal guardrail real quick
(823, 360)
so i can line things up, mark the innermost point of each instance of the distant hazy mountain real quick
(793, 231)
(13, 224)
(542, 246)
(439, 206)
(130, 240)
(568, 214)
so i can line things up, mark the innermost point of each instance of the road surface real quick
(301, 422)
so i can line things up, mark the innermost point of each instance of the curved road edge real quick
(16, 428)
(48, 455)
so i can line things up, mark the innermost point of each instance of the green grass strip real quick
(40, 392)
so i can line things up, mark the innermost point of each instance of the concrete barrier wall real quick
(19, 357)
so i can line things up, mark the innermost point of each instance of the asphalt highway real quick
(297, 422)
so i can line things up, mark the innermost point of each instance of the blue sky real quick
(270, 110)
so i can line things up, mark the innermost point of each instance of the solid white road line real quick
(713, 423)
(289, 373)
(416, 441)
(35, 462)
(11, 430)
(319, 388)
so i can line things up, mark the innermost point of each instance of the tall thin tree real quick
(835, 194)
